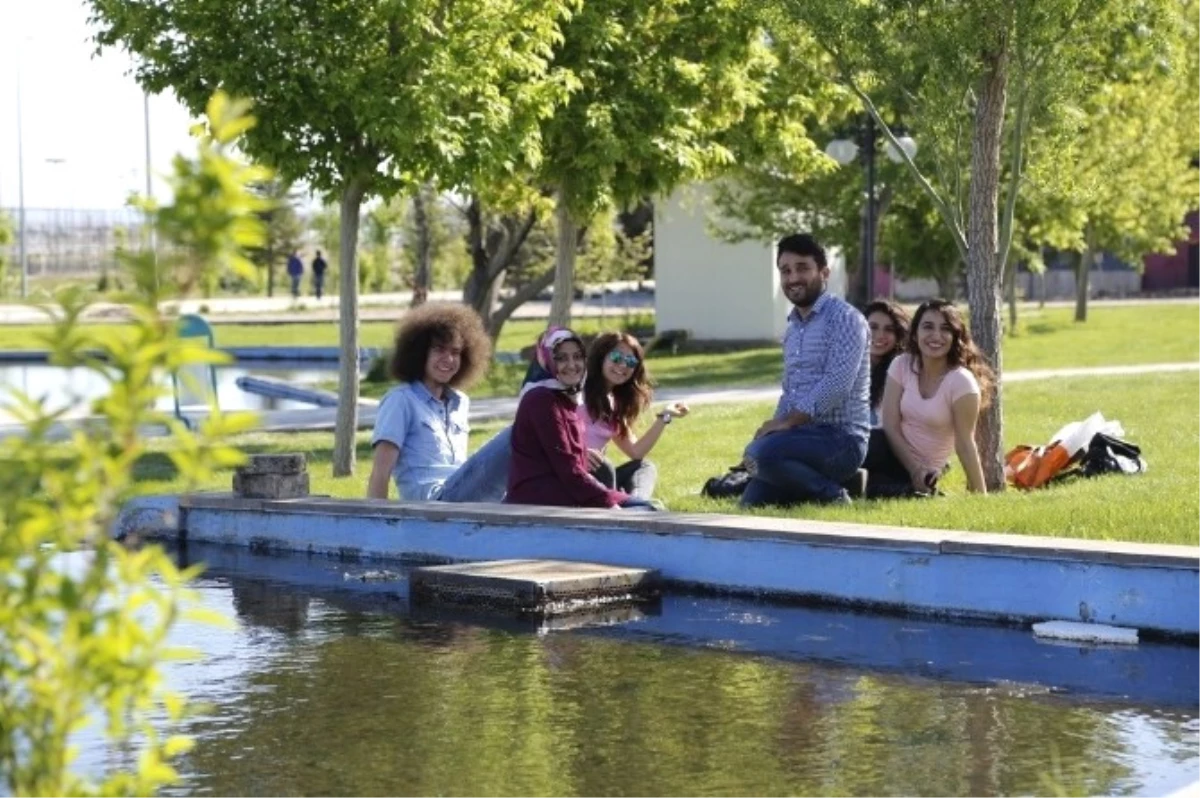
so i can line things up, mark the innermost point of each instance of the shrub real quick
(81, 637)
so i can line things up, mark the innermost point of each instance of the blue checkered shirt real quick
(827, 366)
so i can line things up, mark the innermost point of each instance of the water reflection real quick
(60, 387)
(337, 689)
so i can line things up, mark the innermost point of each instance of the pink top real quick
(597, 434)
(928, 424)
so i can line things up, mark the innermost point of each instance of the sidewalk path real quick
(613, 299)
(491, 409)
(497, 408)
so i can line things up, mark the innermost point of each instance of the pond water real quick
(332, 685)
(59, 385)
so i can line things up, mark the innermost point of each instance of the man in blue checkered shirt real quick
(817, 438)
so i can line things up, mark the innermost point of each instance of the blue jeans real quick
(484, 477)
(804, 463)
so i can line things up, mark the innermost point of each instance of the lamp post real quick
(844, 150)
(21, 190)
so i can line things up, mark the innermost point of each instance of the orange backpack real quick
(1029, 467)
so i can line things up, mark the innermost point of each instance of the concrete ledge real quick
(733, 527)
(999, 578)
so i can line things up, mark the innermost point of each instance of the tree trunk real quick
(490, 258)
(983, 276)
(270, 267)
(347, 409)
(564, 264)
(424, 274)
(1083, 273)
(502, 314)
(946, 285)
(1010, 292)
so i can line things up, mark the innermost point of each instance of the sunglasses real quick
(630, 361)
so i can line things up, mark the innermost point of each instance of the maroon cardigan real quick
(549, 462)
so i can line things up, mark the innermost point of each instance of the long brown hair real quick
(900, 322)
(963, 351)
(630, 398)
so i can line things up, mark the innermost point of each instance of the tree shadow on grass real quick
(159, 467)
(1042, 328)
(750, 367)
(155, 467)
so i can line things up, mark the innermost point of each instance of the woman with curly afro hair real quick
(420, 438)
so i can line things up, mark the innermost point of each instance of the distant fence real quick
(72, 241)
(1049, 285)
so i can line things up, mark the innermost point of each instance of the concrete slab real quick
(548, 587)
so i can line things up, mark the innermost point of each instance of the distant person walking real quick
(318, 269)
(295, 270)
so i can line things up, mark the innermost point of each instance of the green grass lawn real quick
(516, 334)
(1048, 338)
(1157, 411)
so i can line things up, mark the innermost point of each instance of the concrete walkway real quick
(611, 299)
(491, 409)
(503, 408)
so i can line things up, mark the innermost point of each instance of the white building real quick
(716, 290)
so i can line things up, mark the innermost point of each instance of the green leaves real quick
(400, 91)
(83, 619)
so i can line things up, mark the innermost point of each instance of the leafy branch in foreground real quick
(84, 620)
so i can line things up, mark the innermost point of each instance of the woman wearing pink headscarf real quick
(549, 456)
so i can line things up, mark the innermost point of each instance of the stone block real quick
(270, 486)
(295, 463)
(546, 587)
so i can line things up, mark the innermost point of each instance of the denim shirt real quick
(827, 366)
(430, 433)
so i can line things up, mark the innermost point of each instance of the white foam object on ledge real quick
(1085, 632)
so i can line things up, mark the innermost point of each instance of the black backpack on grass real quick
(1108, 455)
(731, 483)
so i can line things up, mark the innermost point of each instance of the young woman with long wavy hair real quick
(932, 400)
(615, 395)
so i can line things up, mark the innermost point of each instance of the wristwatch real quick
(665, 416)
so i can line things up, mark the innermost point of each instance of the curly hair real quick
(963, 351)
(630, 399)
(900, 323)
(439, 323)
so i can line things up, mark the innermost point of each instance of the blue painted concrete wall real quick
(968, 575)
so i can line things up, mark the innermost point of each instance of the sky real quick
(82, 122)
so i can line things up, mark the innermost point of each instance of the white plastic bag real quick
(1076, 436)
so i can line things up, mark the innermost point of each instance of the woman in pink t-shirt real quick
(615, 394)
(932, 400)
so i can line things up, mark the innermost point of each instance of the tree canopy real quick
(359, 98)
(978, 75)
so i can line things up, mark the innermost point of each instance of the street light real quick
(845, 151)
(21, 188)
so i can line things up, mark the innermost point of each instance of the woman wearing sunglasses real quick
(616, 393)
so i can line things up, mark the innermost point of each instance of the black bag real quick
(1108, 455)
(731, 483)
